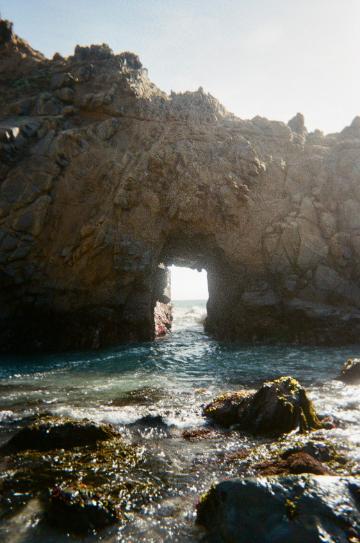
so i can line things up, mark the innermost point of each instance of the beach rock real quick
(350, 372)
(76, 510)
(225, 409)
(156, 179)
(310, 509)
(152, 422)
(93, 484)
(293, 463)
(278, 407)
(55, 433)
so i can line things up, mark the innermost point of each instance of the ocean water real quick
(172, 377)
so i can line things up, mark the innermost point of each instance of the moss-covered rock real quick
(47, 433)
(350, 372)
(93, 482)
(278, 407)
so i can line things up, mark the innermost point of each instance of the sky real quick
(187, 284)
(272, 58)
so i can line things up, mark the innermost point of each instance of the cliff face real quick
(103, 178)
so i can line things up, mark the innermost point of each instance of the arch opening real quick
(182, 281)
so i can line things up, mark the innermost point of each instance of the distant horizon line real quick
(189, 299)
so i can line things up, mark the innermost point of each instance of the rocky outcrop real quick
(278, 407)
(282, 509)
(105, 180)
(350, 372)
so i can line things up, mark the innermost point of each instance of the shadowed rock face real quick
(281, 509)
(103, 177)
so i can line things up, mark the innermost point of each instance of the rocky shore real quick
(105, 180)
(292, 484)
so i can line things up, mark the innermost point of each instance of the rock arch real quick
(103, 177)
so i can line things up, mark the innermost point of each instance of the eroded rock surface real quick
(278, 407)
(104, 178)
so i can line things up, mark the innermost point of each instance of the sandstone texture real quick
(105, 180)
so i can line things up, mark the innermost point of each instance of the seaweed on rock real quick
(279, 406)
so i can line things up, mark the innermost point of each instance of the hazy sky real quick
(188, 284)
(258, 57)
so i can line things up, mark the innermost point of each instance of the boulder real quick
(279, 406)
(224, 409)
(296, 509)
(79, 511)
(350, 372)
(53, 433)
(91, 487)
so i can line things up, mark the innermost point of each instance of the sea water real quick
(173, 377)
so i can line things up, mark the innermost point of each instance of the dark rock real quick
(104, 480)
(224, 409)
(278, 407)
(94, 52)
(350, 372)
(131, 60)
(79, 511)
(53, 433)
(296, 509)
(152, 421)
(6, 31)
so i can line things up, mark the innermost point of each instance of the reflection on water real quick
(172, 377)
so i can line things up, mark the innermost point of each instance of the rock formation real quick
(279, 406)
(350, 372)
(105, 180)
(282, 509)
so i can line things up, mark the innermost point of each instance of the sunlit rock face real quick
(104, 177)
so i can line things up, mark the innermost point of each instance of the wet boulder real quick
(350, 372)
(49, 433)
(279, 406)
(79, 511)
(299, 509)
(225, 409)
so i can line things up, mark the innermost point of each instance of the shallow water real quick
(172, 377)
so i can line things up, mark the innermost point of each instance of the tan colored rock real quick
(96, 194)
